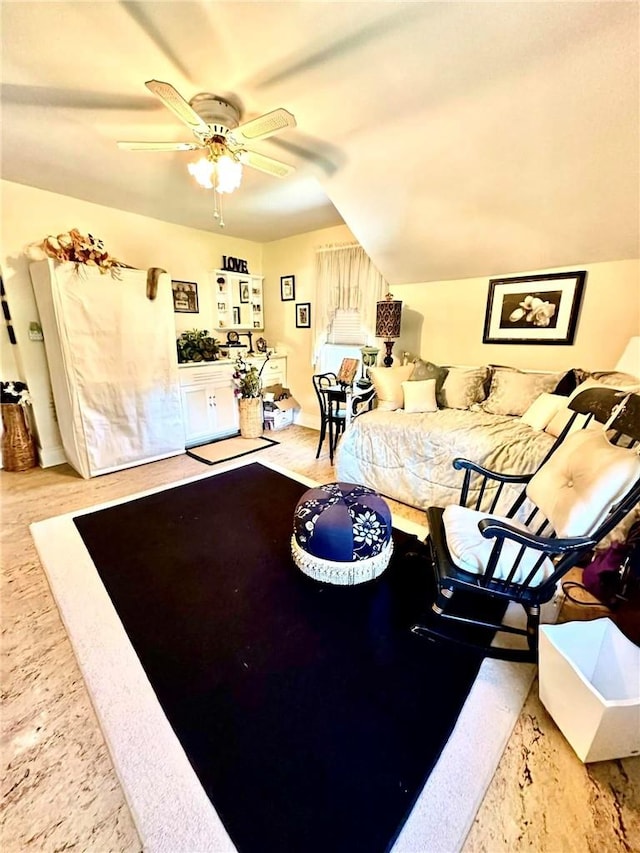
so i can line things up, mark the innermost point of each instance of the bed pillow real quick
(561, 418)
(599, 383)
(543, 409)
(462, 387)
(569, 382)
(428, 370)
(614, 378)
(512, 391)
(387, 382)
(420, 395)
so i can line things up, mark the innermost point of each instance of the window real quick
(348, 287)
(346, 328)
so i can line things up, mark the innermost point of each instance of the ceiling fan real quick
(215, 124)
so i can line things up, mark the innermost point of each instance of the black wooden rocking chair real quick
(588, 482)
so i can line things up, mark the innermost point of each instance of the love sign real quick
(234, 264)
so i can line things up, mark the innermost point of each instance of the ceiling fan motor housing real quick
(219, 114)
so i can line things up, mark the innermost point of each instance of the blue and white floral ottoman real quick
(342, 534)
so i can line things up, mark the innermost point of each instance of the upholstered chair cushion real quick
(420, 396)
(577, 486)
(387, 382)
(471, 551)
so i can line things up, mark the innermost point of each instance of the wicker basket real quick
(18, 446)
(250, 417)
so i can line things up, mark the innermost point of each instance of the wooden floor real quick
(59, 788)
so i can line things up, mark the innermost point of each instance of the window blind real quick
(346, 328)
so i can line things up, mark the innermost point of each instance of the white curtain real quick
(346, 279)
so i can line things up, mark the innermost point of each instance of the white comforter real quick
(408, 457)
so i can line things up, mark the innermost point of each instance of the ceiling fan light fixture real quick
(220, 170)
(202, 170)
(228, 173)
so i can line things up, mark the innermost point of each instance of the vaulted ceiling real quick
(454, 139)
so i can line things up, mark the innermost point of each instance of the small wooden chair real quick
(332, 398)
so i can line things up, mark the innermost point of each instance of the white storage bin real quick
(589, 677)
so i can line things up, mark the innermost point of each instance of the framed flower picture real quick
(534, 309)
(287, 288)
(303, 315)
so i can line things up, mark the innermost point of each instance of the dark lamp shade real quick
(388, 316)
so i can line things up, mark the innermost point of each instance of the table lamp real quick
(388, 317)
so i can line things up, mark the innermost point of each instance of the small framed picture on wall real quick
(303, 315)
(287, 288)
(185, 297)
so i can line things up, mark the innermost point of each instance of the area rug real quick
(261, 711)
(229, 448)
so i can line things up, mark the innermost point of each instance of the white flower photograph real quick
(536, 309)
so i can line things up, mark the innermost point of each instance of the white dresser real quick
(209, 405)
(273, 372)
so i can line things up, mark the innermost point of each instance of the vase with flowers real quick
(248, 390)
(18, 446)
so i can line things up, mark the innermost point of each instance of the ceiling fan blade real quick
(177, 104)
(263, 126)
(159, 146)
(266, 164)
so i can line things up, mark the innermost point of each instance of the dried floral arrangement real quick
(75, 247)
(246, 379)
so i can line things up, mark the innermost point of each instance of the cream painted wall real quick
(28, 215)
(296, 256)
(444, 321)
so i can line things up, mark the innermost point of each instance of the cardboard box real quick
(278, 415)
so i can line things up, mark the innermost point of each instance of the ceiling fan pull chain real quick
(221, 213)
(217, 208)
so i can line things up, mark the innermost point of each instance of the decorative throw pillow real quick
(543, 409)
(569, 382)
(561, 418)
(387, 382)
(420, 395)
(428, 370)
(599, 383)
(614, 378)
(463, 387)
(512, 392)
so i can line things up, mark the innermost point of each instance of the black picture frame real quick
(534, 309)
(185, 297)
(244, 291)
(303, 315)
(287, 288)
(236, 315)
